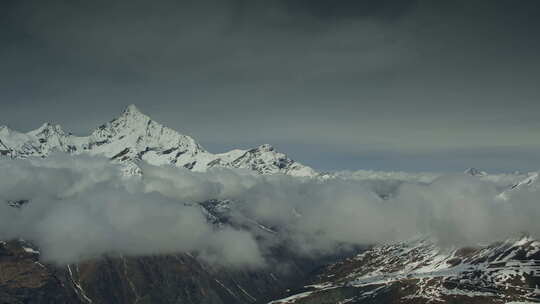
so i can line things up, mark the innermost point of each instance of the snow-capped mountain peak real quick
(132, 110)
(133, 136)
(131, 119)
(266, 160)
(47, 129)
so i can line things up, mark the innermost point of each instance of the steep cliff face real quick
(133, 137)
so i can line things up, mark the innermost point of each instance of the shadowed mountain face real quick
(160, 279)
(156, 279)
(172, 278)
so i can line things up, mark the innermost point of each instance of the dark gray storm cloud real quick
(425, 85)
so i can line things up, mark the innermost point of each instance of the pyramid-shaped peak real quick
(131, 118)
(132, 110)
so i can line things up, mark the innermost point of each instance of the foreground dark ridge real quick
(416, 271)
(175, 278)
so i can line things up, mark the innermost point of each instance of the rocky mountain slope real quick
(135, 137)
(419, 271)
(178, 278)
(422, 271)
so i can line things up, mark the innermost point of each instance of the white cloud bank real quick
(81, 208)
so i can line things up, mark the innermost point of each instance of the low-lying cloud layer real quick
(81, 207)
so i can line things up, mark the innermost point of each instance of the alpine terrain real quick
(419, 270)
(134, 137)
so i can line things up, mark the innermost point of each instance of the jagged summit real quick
(130, 118)
(46, 129)
(133, 136)
(132, 109)
(132, 114)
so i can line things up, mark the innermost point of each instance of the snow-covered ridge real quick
(420, 271)
(134, 136)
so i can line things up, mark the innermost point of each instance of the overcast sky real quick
(336, 84)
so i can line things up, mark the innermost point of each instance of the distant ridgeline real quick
(134, 137)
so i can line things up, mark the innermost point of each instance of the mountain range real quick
(412, 271)
(133, 137)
